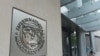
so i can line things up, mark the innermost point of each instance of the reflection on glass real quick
(69, 40)
(74, 43)
(65, 42)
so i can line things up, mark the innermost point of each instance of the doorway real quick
(69, 38)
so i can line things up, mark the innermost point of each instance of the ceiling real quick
(64, 2)
(86, 16)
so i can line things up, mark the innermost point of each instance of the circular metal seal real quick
(29, 36)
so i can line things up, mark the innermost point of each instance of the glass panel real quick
(69, 41)
(74, 43)
(65, 42)
(84, 1)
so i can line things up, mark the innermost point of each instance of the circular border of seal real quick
(38, 29)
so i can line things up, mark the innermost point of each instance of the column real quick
(92, 41)
(83, 44)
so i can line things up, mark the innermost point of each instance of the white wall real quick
(46, 9)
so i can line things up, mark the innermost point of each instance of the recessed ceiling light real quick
(96, 0)
(64, 9)
(98, 11)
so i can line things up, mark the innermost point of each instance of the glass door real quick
(65, 42)
(69, 41)
(74, 43)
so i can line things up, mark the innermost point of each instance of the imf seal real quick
(29, 36)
